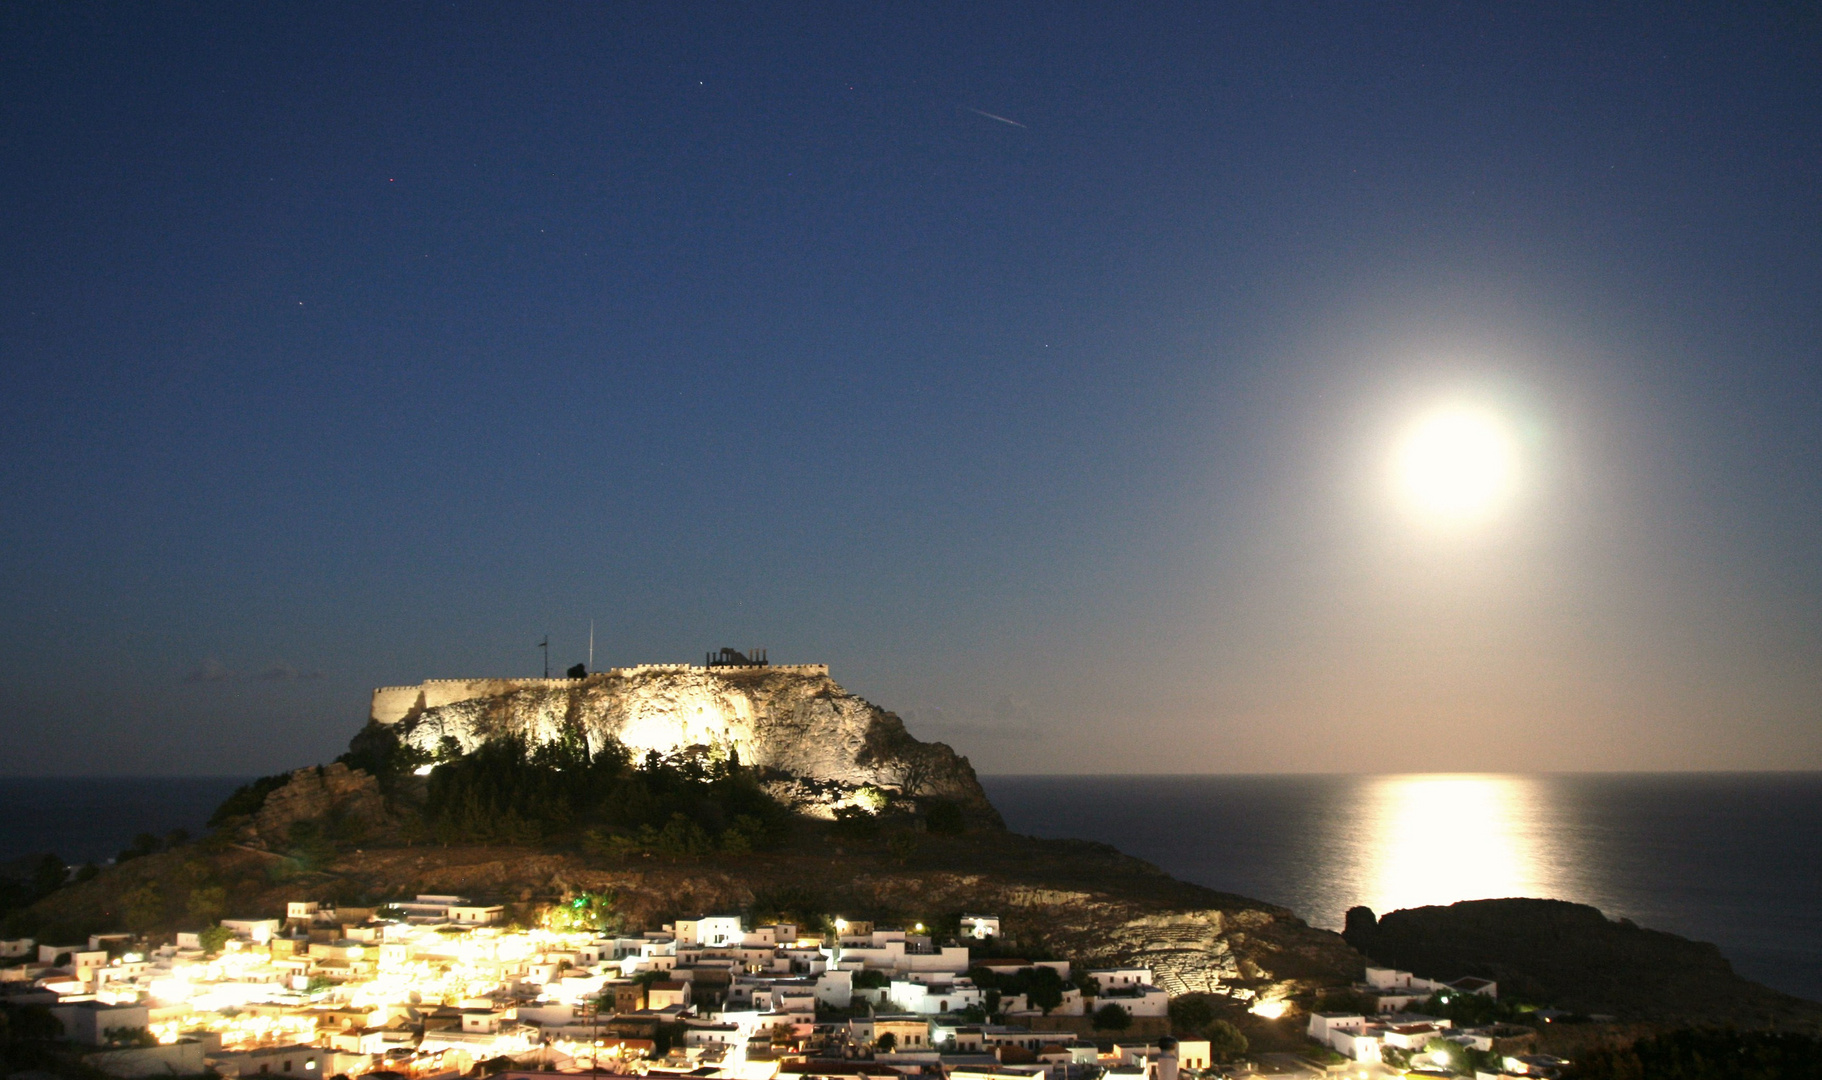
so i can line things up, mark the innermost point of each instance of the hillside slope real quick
(1073, 899)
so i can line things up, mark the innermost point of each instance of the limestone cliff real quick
(814, 741)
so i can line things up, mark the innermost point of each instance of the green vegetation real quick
(28, 1040)
(1225, 1042)
(207, 904)
(586, 911)
(1190, 1014)
(682, 804)
(30, 880)
(1193, 1015)
(945, 818)
(376, 750)
(902, 845)
(1451, 1055)
(1707, 1054)
(855, 823)
(789, 903)
(1347, 1000)
(1112, 1018)
(1474, 1010)
(1042, 986)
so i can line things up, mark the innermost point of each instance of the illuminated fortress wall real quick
(392, 704)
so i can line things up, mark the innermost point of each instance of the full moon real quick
(1456, 464)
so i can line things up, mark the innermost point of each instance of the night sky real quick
(1036, 367)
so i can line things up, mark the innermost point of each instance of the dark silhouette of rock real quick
(1572, 957)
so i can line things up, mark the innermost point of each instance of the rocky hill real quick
(815, 742)
(1573, 957)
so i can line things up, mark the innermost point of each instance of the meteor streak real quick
(991, 116)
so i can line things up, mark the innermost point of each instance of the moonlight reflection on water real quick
(1731, 858)
(1437, 839)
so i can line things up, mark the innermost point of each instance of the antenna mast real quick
(545, 645)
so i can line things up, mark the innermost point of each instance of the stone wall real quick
(392, 704)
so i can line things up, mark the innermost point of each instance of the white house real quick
(89, 1022)
(981, 926)
(1414, 1036)
(429, 907)
(1322, 1023)
(1360, 1045)
(903, 957)
(1194, 1054)
(298, 1060)
(934, 998)
(710, 930)
(835, 988)
(17, 947)
(1106, 979)
(1138, 1000)
(908, 1032)
(1388, 978)
(476, 914)
(666, 994)
(258, 931)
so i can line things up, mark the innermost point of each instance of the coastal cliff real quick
(814, 743)
(1574, 957)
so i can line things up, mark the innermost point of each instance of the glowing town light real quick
(1457, 464)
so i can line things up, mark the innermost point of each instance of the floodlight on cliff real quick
(1269, 1010)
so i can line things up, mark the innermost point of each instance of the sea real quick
(1730, 858)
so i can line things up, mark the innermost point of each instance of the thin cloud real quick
(210, 670)
(1005, 718)
(283, 672)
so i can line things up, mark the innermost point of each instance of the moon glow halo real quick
(1456, 465)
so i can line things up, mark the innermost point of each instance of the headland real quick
(655, 796)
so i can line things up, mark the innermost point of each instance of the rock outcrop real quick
(815, 742)
(347, 800)
(1573, 957)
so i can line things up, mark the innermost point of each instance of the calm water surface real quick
(1735, 859)
(90, 818)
